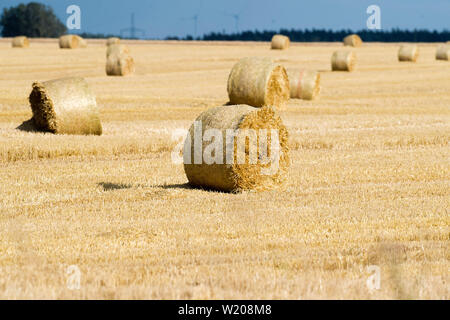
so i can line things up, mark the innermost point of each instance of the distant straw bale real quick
(353, 40)
(69, 41)
(113, 40)
(280, 42)
(117, 49)
(343, 61)
(20, 42)
(408, 53)
(443, 52)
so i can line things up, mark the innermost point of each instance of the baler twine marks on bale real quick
(65, 106)
(236, 148)
(304, 84)
(258, 82)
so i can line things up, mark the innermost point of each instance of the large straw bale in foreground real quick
(240, 172)
(119, 65)
(112, 40)
(304, 84)
(443, 52)
(280, 42)
(65, 106)
(408, 53)
(353, 40)
(69, 41)
(343, 61)
(20, 42)
(117, 49)
(258, 82)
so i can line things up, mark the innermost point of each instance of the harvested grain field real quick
(369, 182)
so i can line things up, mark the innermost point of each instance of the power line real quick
(132, 30)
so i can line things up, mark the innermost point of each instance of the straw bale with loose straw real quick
(343, 61)
(353, 40)
(69, 41)
(443, 52)
(239, 173)
(280, 42)
(20, 42)
(65, 106)
(408, 53)
(258, 82)
(304, 84)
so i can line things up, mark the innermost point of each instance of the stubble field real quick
(368, 184)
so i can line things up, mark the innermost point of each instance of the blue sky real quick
(160, 18)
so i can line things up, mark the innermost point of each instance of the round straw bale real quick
(408, 53)
(353, 40)
(343, 61)
(119, 65)
(65, 106)
(82, 43)
(443, 52)
(280, 42)
(69, 41)
(256, 131)
(117, 49)
(112, 40)
(258, 82)
(20, 42)
(304, 84)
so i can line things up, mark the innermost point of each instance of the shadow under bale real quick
(28, 126)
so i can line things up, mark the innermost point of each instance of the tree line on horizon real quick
(323, 35)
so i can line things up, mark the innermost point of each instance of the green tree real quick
(32, 20)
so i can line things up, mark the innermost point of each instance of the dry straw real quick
(246, 175)
(117, 49)
(304, 84)
(119, 65)
(65, 106)
(443, 52)
(113, 40)
(408, 53)
(343, 61)
(69, 41)
(280, 42)
(20, 42)
(258, 82)
(82, 43)
(353, 40)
